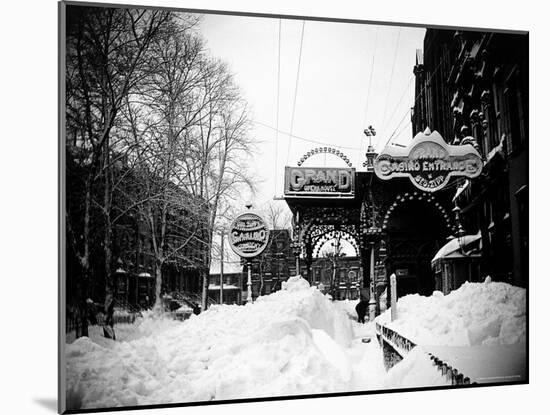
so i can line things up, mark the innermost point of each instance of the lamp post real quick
(372, 300)
(249, 282)
(374, 233)
(370, 154)
(336, 254)
(278, 258)
(221, 267)
(296, 251)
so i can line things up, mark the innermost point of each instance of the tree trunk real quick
(261, 269)
(158, 285)
(108, 235)
(205, 283)
(83, 287)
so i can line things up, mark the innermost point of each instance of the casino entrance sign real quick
(428, 161)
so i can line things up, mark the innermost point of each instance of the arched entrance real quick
(416, 226)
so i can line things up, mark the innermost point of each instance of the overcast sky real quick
(350, 76)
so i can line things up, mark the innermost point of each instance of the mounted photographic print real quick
(259, 207)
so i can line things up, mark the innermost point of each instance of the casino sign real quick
(248, 235)
(428, 161)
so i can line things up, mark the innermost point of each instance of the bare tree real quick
(277, 215)
(187, 125)
(106, 50)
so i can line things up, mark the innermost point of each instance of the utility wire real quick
(415, 100)
(401, 131)
(391, 76)
(309, 140)
(398, 103)
(278, 96)
(368, 91)
(295, 91)
(370, 78)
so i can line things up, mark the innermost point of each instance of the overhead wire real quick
(391, 76)
(414, 102)
(309, 140)
(365, 112)
(278, 97)
(295, 91)
(398, 103)
(401, 131)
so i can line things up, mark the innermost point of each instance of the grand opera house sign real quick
(323, 182)
(428, 161)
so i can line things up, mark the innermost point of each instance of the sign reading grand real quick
(248, 235)
(428, 161)
(320, 182)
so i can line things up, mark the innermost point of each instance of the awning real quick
(459, 248)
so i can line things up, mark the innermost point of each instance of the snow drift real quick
(294, 341)
(489, 313)
(290, 342)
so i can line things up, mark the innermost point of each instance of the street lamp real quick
(374, 233)
(296, 249)
(370, 154)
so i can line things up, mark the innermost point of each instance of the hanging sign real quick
(428, 161)
(248, 235)
(320, 182)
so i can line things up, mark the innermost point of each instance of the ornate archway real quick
(422, 197)
(415, 226)
(334, 234)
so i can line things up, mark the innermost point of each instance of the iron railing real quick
(400, 345)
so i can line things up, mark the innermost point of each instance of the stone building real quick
(472, 87)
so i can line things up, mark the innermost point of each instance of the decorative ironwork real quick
(418, 196)
(325, 150)
(345, 235)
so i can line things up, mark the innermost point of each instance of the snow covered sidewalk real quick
(291, 342)
(479, 329)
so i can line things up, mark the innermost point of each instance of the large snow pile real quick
(488, 313)
(348, 307)
(291, 342)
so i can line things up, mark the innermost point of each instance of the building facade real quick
(132, 265)
(473, 88)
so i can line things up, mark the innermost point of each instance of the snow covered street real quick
(294, 341)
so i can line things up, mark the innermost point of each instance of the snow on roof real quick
(461, 189)
(419, 57)
(225, 287)
(499, 149)
(454, 245)
(229, 267)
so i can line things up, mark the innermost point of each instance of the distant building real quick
(276, 264)
(133, 262)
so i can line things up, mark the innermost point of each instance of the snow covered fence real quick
(395, 347)
(478, 330)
